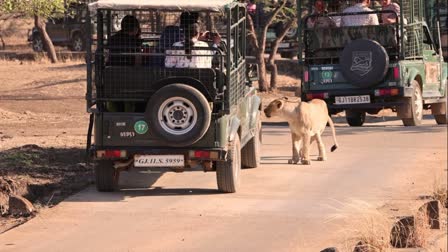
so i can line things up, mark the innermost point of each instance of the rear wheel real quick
(38, 43)
(355, 118)
(106, 176)
(250, 154)
(228, 172)
(77, 44)
(415, 103)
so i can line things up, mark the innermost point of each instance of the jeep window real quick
(427, 39)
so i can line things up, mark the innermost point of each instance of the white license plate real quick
(159, 161)
(283, 45)
(358, 99)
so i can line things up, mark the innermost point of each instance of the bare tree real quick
(257, 38)
(40, 10)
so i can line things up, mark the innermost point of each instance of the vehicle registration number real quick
(358, 99)
(159, 161)
(283, 45)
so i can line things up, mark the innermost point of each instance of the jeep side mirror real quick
(252, 72)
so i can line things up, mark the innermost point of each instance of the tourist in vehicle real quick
(127, 40)
(359, 19)
(189, 58)
(317, 19)
(389, 18)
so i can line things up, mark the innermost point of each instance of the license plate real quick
(159, 161)
(358, 99)
(283, 45)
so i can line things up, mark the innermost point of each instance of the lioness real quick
(307, 121)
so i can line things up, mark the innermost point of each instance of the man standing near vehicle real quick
(389, 18)
(359, 19)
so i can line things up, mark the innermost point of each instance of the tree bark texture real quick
(48, 44)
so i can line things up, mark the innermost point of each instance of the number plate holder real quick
(159, 160)
(357, 99)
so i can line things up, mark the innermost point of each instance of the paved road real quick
(280, 207)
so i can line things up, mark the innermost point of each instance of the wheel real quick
(441, 119)
(416, 105)
(250, 154)
(355, 118)
(228, 172)
(287, 55)
(179, 115)
(38, 43)
(77, 44)
(106, 176)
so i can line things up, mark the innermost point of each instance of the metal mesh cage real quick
(138, 52)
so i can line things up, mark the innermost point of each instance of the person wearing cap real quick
(127, 40)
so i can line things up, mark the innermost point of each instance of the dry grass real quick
(370, 227)
(440, 190)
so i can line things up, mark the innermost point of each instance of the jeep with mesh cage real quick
(171, 90)
(369, 55)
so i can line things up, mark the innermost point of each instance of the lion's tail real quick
(335, 146)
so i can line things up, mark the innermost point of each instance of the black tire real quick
(364, 62)
(38, 43)
(106, 176)
(287, 55)
(355, 118)
(416, 104)
(178, 114)
(77, 43)
(251, 152)
(441, 119)
(228, 172)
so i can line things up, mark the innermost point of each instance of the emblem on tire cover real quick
(361, 62)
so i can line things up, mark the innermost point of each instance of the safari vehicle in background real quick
(144, 114)
(68, 29)
(363, 69)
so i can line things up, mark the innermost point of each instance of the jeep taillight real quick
(396, 73)
(387, 92)
(321, 96)
(111, 154)
(306, 76)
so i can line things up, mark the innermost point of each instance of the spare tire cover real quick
(364, 62)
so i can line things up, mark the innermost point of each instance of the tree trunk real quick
(271, 60)
(48, 44)
(3, 43)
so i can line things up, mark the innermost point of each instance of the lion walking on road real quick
(307, 122)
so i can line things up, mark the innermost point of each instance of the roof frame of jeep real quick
(166, 5)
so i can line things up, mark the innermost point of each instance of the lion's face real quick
(274, 108)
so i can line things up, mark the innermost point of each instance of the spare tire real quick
(178, 114)
(364, 62)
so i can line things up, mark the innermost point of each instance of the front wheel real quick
(228, 172)
(106, 176)
(415, 104)
(355, 118)
(250, 154)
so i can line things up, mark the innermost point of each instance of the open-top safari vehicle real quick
(161, 97)
(365, 68)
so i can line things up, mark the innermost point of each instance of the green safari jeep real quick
(365, 68)
(158, 103)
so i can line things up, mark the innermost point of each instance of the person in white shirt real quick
(190, 58)
(360, 19)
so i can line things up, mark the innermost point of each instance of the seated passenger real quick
(127, 40)
(190, 58)
(360, 19)
(389, 18)
(320, 21)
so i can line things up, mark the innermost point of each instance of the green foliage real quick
(41, 8)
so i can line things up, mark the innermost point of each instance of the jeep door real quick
(433, 67)
(56, 29)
